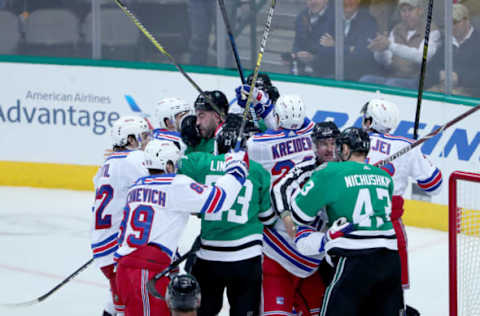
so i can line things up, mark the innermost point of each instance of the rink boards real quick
(55, 115)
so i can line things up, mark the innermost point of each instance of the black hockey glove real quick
(189, 131)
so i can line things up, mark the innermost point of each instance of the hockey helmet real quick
(159, 153)
(183, 293)
(168, 108)
(355, 138)
(227, 134)
(129, 126)
(290, 110)
(217, 97)
(383, 114)
(325, 130)
(264, 83)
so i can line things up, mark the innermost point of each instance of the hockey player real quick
(231, 242)
(183, 295)
(278, 151)
(362, 242)
(198, 131)
(122, 167)
(169, 114)
(156, 213)
(307, 291)
(380, 117)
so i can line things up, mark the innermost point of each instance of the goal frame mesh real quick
(455, 177)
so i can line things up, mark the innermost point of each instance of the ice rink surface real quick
(44, 237)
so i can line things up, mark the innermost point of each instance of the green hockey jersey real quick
(359, 192)
(205, 146)
(235, 234)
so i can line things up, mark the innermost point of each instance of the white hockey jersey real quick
(412, 164)
(119, 171)
(158, 207)
(278, 152)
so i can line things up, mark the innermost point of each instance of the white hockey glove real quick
(237, 164)
(261, 102)
(338, 229)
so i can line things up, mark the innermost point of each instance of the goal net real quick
(464, 243)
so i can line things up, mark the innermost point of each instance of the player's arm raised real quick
(199, 198)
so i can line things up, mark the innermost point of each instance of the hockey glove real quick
(338, 229)
(237, 164)
(261, 102)
(189, 131)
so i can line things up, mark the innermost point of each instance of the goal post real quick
(464, 243)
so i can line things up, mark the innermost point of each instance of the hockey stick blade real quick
(151, 288)
(46, 295)
(151, 283)
(135, 108)
(406, 149)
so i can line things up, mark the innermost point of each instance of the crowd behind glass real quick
(382, 40)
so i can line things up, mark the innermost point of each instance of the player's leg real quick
(109, 309)
(278, 288)
(402, 250)
(387, 296)
(244, 286)
(350, 284)
(132, 285)
(210, 276)
(397, 212)
(118, 305)
(309, 295)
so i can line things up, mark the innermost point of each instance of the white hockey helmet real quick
(290, 110)
(159, 152)
(384, 115)
(126, 126)
(168, 108)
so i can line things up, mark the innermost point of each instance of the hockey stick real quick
(221, 4)
(423, 68)
(135, 108)
(151, 283)
(266, 32)
(427, 137)
(162, 50)
(46, 295)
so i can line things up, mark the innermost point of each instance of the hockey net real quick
(464, 243)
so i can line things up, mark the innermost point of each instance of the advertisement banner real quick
(62, 114)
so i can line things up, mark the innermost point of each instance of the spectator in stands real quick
(312, 22)
(203, 16)
(402, 51)
(359, 26)
(382, 11)
(466, 44)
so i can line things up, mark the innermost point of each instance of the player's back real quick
(412, 164)
(156, 212)
(241, 226)
(120, 170)
(280, 150)
(359, 192)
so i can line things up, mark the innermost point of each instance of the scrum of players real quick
(299, 221)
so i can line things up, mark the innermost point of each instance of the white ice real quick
(44, 238)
